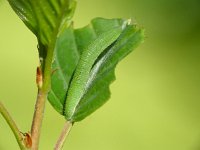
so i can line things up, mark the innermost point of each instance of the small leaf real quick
(85, 65)
(102, 74)
(69, 47)
(45, 18)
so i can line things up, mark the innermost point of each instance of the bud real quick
(27, 139)
(39, 78)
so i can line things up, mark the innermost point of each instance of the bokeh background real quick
(155, 103)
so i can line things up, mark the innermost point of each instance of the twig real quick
(43, 88)
(37, 119)
(63, 135)
(13, 126)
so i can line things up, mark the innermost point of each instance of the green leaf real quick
(69, 47)
(102, 74)
(84, 65)
(45, 18)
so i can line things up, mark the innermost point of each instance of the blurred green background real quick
(155, 103)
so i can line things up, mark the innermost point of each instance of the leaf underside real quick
(45, 18)
(69, 51)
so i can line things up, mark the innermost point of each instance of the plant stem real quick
(43, 89)
(37, 119)
(63, 135)
(13, 126)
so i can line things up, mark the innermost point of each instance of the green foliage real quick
(45, 18)
(82, 61)
(84, 65)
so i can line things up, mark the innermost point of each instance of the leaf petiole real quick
(66, 129)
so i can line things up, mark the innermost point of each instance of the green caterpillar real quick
(82, 72)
